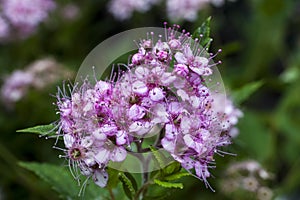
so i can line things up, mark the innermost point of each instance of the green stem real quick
(142, 191)
(111, 194)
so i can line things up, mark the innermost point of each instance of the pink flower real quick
(137, 58)
(156, 94)
(139, 88)
(26, 15)
(100, 123)
(16, 86)
(4, 28)
(188, 9)
(197, 64)
(136, 112)
(123, 9)
(181, 69)
(27, 12)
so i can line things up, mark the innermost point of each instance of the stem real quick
(111, 194)
(140, 194)
(142, 191)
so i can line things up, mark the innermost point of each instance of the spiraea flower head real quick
(123, 9)
(166, 89)
(27, 12)
(4, 28)
(248, 176)
(38, 75)
(25, 15)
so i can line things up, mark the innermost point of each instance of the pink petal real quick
(188, 140)
(109, 129)
(201, 61)
(102, 156)
(141, 72)
(188, 53)
(167, 78)
(118, 154)
(99, 135)
(156, 94)
(136, 112)
(69, 140)
(139, 87)
(171, 131)
(137, 58)
(121, 138)
(180, 58)
(103, 88)
(174, 108)
(183, 95)
(100, 177)
(195, 101)
(168, 145)
(200, 71)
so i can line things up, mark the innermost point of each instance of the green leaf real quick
(129, 184)
(113, 178)
(288, 113)
(243, 93)
(48, 130)
(159, 157)
(204, 31)
(176, 176)
(172, 168)
(63, 182)
(255, 136)
(168, 184)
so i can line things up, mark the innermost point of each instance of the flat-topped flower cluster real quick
(163, 91)
(20, 18)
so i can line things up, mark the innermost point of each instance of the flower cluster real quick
(249, 176)
(23, 16)
(176, 9)
(123, 9)
(37, 75)
(166, 90)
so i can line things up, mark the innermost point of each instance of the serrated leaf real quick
(129, 184)
(168, 184)
(48, 130)
(241, 94)
(159, 157)
(176, 176)
(63, 182)
(172, 168)
(204, 31)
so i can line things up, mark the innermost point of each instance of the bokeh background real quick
(260, 40)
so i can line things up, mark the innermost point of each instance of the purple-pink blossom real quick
(27, 12)
(4, 28)
(37, 75)
(176, 10)
(164, 86)
(123, 9)
(24, 15)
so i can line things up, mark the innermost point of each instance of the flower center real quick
(75, 153)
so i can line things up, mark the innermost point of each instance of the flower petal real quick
(180, 58)
(118, 154)
(100, 177)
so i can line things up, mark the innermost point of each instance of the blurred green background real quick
(260, 41)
